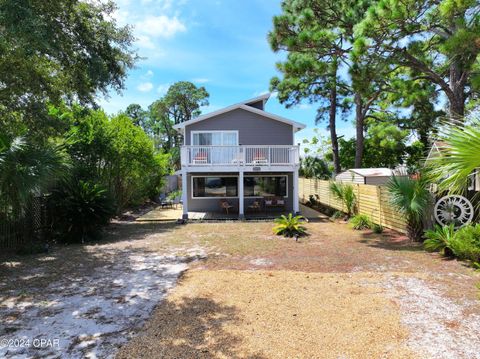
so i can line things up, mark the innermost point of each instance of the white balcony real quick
(258, 157)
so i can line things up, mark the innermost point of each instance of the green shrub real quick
(377, 228)
(117, 154)
(466, 243)
(289, 226)
(440, 239)
(361, 221)
(79, 210)
(346, 194)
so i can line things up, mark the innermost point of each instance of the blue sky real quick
(219, 44)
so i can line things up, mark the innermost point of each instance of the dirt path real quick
(83, 301)
(336, 294)
(248, 294)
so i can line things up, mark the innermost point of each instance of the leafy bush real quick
(361, 221)
(463, 244)
(346, 194)
(466, 243)
(439, 239)
(377, 228)
(79, 210)
(117, 154)
(289, 226)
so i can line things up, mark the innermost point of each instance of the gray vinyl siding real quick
(377, 180)
(253, 129)
(213, 204)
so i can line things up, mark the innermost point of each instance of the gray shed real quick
(372, 176)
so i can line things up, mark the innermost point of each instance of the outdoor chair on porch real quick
(225, 205)
(255, 206)
(274, 203)
(165, 202)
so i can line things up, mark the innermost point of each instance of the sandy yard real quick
(338, 293)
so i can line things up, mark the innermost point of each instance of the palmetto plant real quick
(79, 209)
(412, 198)
(289, 226)
(26, 169)
(459, 158)
(345, 193)
(439, 239)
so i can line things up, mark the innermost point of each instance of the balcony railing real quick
(258, 155)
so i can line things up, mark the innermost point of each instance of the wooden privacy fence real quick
(371, 200)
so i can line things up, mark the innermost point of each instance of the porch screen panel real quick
(265, 186)
(215, 187)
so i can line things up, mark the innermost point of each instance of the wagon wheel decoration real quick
(453, 209)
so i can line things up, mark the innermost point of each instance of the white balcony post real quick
(241, 214)
(184, 194)
(184, 156)
(296, 206)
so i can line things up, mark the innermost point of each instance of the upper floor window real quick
(215, 138)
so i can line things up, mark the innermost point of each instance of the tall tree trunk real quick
(457, 85)
(359, 122)
(333, 127)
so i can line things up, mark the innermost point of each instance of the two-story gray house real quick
(239, 156)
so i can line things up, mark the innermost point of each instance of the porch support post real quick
(296, 206)
(184, 194)
(241, 214)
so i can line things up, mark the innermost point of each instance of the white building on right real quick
(372, 176)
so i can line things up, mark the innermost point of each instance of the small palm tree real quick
(289, 226)
(412, 198)
(26, 169)
(346, 194)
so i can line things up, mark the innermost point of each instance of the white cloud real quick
(162, 89)
(145, 42)
(305, 106)
(160, 26)
(260, 93)
(145, 87)
(149, 73)
(200, 80)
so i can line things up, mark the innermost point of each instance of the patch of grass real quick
(361, 221)
(235, 238)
